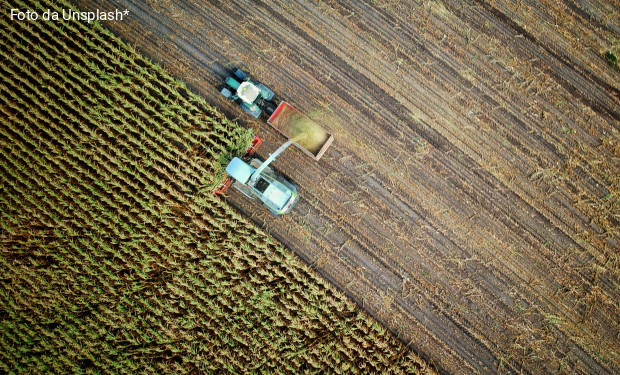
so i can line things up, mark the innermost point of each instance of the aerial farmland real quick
(116, 256)
(465, 219)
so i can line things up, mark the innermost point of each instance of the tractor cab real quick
(254, 97)
(248, 92)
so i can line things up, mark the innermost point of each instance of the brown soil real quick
(470, 200)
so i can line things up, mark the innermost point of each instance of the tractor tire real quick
(240, 74)
(225, 92)
(270, 108)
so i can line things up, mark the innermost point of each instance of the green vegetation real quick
(611, 58)
(114, 255)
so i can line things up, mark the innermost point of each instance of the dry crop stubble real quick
(113, 259)
(491, 99)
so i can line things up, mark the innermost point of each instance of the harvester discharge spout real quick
(274, 155)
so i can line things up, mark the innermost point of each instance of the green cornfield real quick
(115, 256)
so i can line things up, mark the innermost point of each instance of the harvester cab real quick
(255, 179)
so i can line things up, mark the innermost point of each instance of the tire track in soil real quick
(441, 178)
(603, 102)
(498, 215)
(585, 17)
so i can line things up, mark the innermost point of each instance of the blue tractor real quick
(254, 97)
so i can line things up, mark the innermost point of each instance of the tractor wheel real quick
(225, 92)
(270, 108)
(240, 74)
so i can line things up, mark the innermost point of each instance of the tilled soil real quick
(470, 200)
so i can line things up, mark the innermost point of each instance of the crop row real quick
(115, 257)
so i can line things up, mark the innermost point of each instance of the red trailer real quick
(292, 124)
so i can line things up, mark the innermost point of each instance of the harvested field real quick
(470, 200)
(116, 257)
